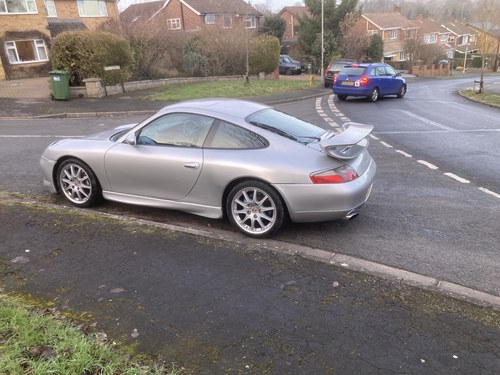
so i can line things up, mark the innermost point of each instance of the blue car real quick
(369, 80)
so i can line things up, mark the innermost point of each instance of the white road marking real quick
(404, 153)
(427, 121)
(385, 144)
(457, 178)
(427, 164)
(484, 190)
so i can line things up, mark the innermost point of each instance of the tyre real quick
(78, 183)
(288, 71)
(373, 95)
(402, 91)
(342, 97)
(255, 209)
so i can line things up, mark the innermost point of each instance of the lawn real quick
(39, 342)
(485, 98)
(231, 89)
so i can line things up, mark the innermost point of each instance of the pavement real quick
(219, 303)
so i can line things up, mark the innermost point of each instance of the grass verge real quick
(485, 98)
(33, 341)
(230, 89)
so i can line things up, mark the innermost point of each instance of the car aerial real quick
(333, 68)
(369, 80)
(220, 157)
(289, 66)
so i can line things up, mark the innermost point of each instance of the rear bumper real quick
(324, 202)
(352, 91)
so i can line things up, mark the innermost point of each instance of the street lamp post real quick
(322, 42)
(465, 58)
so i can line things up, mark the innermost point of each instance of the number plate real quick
(348, 83)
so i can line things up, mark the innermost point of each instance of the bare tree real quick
(354, 41)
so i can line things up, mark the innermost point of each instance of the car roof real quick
(218, 106)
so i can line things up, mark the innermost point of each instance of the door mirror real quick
(131, 139)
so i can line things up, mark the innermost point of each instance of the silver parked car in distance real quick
(217, 157)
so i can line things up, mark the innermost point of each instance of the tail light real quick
(339, 175)
(361, 82)
(334, 78)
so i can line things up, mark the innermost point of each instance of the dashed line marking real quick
(484, 190)
(337, 113)
(457, 178)
(405, 154)
(427, 164)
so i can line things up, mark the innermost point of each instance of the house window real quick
(394, 34)
(443, 38)
(209, 19)
(17, 6)
(403, 56)
(50, 7)
(174, 24)
(227, 22)
(250, 22)
(372, 32)
(92, 8)
(26, 51)
(432, 38)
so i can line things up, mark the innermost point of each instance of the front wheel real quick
(255, 209)
(78, 183)
(402, 92)
(373, 95)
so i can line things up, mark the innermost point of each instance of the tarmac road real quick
(217, 307)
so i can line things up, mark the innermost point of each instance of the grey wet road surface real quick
(219, 307)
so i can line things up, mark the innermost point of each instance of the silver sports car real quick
(214, 157)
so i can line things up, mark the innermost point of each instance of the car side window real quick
(389, 71)
(178, 129)
(229, 136)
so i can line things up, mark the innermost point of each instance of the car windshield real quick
(286, 125)
(286, 59)
(352, 71)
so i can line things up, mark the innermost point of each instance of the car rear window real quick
(352, 71)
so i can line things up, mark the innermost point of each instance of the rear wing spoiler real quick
(348, 144)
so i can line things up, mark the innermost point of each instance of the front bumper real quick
(47, 166)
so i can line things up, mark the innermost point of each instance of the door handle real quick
(192, 165)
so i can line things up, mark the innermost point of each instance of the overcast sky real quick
(275, 5)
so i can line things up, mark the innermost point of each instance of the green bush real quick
(84, 54)
(264, 54)
(195, 64)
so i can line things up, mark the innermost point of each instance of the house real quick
(394, 29)
(193, 15)
(28, 26)
(488, 41)
(292, 16)
(461, 37)
(434, 33)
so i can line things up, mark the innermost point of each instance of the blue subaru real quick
(370, 80)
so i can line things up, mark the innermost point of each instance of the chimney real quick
(397, 9)
(419, 18)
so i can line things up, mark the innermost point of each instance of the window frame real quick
(209, 19)
(50, 8)
(393, 34)
(101, 7)
(27, 5)
(174, 24)
(252, 20)
(226, 17)
(36, 44)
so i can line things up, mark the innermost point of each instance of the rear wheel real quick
(255, 209)
(342, 97)
(373, 95)
(78, 183)
(402, 92)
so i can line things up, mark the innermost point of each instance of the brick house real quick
(461, 38)
(193, 15)
(394, 29)
(28, 26)
(292, 16)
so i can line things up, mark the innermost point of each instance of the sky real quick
(275, 5)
